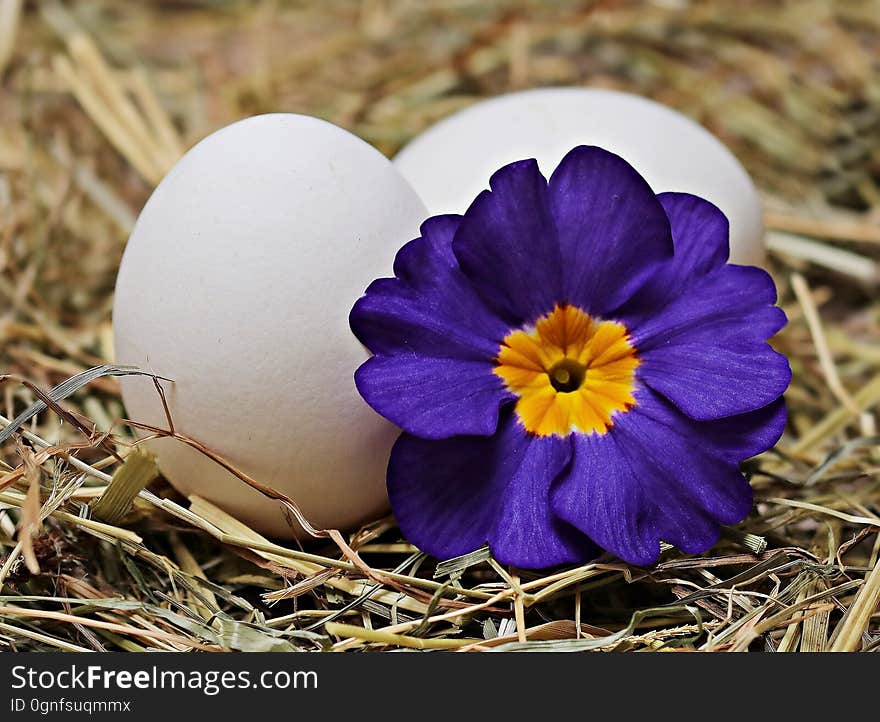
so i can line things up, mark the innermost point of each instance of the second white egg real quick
(451, 162)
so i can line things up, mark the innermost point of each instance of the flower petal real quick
(700, 233)
(605, 497)
(430, 308)
(733, 439)
(438, 504)
(651, 479)
(711, 382)
(433, 398)
(526, 533)
(612, 229)
(706, 351)
(707, 483)
(452, 496)
(732, 302)
(508, 247)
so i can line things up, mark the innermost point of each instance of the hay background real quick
(97, 101)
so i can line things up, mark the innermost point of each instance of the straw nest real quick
(98, 99)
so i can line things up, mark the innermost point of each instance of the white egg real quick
(451, 162)
(236, 283)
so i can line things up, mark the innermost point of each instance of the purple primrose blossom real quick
(575, 367)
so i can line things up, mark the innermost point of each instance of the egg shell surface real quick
(237, 283)
(451, 162)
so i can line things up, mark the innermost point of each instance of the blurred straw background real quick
(98, 99)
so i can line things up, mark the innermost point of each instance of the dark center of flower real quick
(567, 375)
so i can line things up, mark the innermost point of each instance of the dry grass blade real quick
(129, 479)
(29, 525)
(148, 634)
(838, 417)
(832, 228)
(826, 361)
(63, 390)
(856, 620)
(394, 640)
(585, 645)
(855, 265)
(10, 10)
(814, 634)
(458, 564)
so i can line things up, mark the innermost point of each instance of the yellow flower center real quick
(571, 372)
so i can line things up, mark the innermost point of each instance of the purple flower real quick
(574, 364)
